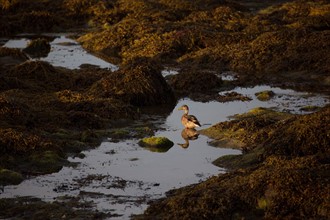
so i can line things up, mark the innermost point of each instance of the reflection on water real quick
(188, 134)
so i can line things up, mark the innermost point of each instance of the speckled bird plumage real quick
(188, 121)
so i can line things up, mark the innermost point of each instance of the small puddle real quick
(122, 177)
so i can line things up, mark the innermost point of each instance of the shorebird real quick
(188, 121)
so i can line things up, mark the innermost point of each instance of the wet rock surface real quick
(49, 112)
(156, 144)
(38, 48)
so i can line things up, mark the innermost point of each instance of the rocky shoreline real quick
(48, 113)
(282, 173)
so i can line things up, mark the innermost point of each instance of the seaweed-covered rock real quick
(38, 75)
(232, 96)
(38, 48)
(14, 53)
(9, 177)
(301, 136)
(15, 141)
(13, 112)
(34, 208)
(46, 161)
(280, 188)
(8, 58)
(247, 130)
(139, 83)
(189, 81)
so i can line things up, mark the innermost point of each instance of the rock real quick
(138, 83)
(190, 80)
(265, 95)
(47, 161)
(9, 177)
(38, 48)
(156, 144)
(10, 57)
(232, 96)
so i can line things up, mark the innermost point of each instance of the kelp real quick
(192, 81)
(38, 48)
(138, 83)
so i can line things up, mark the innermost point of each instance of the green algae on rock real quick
(156, 144)
(47, 161)
(247, 159)
(265, 95)
(310, 108)
(9, 177)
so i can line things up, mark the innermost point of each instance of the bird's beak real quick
(180, 108)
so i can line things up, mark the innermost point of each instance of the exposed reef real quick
(48, 113)
(278, 176)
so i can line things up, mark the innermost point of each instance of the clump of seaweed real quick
(68, 207)
(232, 96)
(13, 112)
(13, 52)
(247, 130)
(8, 58)
(10, 177)
(7, 4)
(139, 83)
(195, 81)
(38, 48)
(39, 74)
(301, 136)
(16, 141)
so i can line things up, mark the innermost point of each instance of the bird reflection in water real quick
(188, 134)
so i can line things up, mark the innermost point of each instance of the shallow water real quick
(121, 177)
(65, 52)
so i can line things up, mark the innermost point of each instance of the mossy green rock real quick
(47, 162)
(156, 144)
(309, 108)
(265, 95)
(9, 177)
